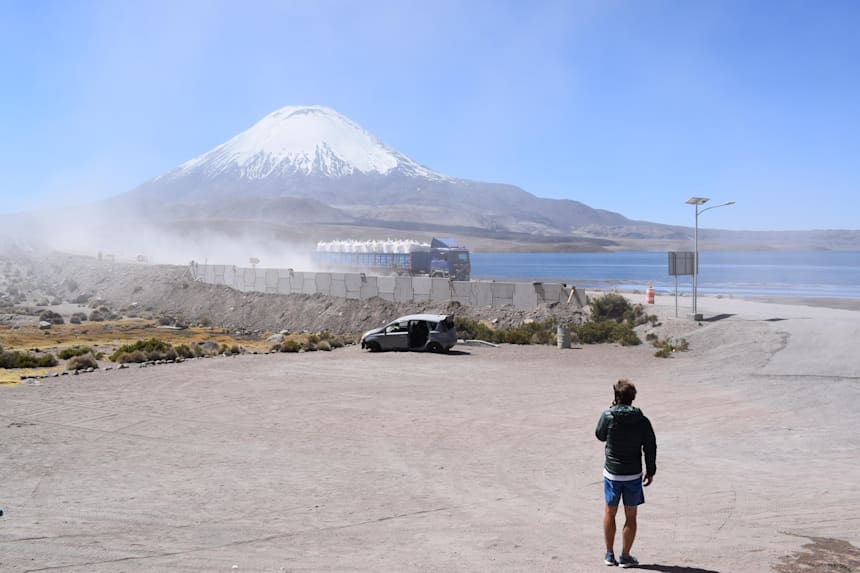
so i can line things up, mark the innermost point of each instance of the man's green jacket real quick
(627, 433)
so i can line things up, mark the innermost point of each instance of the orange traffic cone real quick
(649, 295)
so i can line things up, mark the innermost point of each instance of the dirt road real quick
(482, 460)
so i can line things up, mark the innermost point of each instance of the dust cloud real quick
(102, 230)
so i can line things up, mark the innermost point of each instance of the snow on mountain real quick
(302, 140)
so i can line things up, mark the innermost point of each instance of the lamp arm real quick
(715, 206)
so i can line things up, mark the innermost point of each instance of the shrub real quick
(611, 306)
(52, 317)
(78, 318)
(73, 351)
(607, 331)
(664, 352)
(16, 359)
(468, 329)
(149, 346)
(313, 338)
(666, 347)
(291, 345)
(534, 332)
(206, 348)
(324, 345)
(82, 362)
(336, 343)
(309, 346)
(102, 313)
(184, 351)
(517, 336)
(636, 316)
(615, 307)
(135, 356)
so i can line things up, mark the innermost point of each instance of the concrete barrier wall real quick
(521, 295)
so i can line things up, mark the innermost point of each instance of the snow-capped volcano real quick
(309, 165)
(302, 140)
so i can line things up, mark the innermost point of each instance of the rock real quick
(44, 325)
(276, 338)
(207, 346)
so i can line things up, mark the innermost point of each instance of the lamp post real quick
(696, 201)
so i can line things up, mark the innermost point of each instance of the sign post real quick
(681, 263)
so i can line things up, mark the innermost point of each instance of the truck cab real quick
(448, 259)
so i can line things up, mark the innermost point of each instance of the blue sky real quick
(627, 106)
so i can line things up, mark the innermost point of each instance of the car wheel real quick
(373, 346)
(435, 347)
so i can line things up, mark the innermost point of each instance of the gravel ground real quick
(483, 460)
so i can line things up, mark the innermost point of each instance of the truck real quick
(441, 257)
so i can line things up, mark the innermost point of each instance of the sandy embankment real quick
(483, 460)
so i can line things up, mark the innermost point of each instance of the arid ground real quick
(480, 460)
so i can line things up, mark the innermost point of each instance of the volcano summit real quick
(296, 140)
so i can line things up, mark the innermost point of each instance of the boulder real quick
(207, 346)
(44, 325)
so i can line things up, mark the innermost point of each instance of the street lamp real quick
(699, 201)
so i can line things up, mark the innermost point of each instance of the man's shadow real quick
(674, 569)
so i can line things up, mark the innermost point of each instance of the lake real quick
(804, 274)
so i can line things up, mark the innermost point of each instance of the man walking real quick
(627, 433)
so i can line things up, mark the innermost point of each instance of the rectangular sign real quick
(681, 262)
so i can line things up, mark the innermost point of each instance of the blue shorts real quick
(630, 491)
